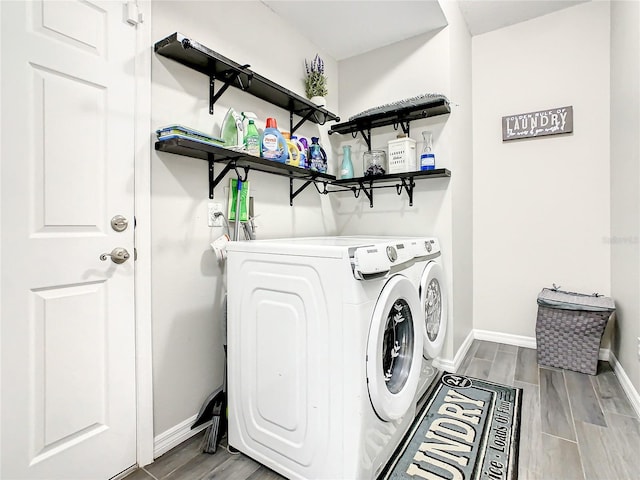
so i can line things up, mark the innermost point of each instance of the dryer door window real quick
(394, 349)
(434, 304)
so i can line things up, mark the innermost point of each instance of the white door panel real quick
(68, 327)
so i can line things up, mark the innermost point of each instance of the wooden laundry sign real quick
(537, 124)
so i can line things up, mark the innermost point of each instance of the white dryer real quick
(325, 343)
(428, 277)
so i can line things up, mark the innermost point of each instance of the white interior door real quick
(68, 351)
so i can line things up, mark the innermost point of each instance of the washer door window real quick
(434, 303)
(394, 349)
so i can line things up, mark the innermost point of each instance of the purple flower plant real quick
(316, 81)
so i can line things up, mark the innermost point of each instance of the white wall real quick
(462, 184)
(187, 283)
(423, 64)
(625, 182)
(541, 206)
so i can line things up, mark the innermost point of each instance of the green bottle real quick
(252, 140)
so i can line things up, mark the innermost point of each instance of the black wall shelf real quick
(237, 161)
(217, 67)
(400, 181)
(401, 116)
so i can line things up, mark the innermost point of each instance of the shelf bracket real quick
(367, 137)
(213, 180)
(408, 185)
(368, 193)
(293, 128)
(405, 127)
(229, 77)
(293, 194)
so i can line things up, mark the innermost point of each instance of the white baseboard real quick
(452, 365)
(627, 386)
(506, 338)
(521, 341)
(175, 436)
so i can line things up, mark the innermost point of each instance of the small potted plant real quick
(315, 82)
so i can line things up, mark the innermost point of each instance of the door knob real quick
(118, 255)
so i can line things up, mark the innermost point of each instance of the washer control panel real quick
(373, 261)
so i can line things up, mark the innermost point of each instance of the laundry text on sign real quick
(538, 124)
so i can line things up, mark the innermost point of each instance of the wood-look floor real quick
(574, 426)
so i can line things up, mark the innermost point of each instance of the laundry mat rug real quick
(467, 429)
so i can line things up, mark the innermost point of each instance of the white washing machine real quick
(325, 343)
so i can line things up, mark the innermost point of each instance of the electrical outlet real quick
(212, 219)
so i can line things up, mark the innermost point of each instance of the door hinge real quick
(133, 14)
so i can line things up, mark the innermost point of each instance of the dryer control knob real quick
(392, 254)
(428, 246)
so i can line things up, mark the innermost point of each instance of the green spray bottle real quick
(252, 139)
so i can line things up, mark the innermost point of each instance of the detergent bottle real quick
(317, 156)
(294, 153)
(302, 149)
(273, 145)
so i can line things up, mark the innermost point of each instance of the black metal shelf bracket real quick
(367, 137)
(213, 180)
(369, 192)
(293, 194)
(408, 185)
(292, 127)
(229, 77)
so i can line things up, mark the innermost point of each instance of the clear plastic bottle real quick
(427, 157)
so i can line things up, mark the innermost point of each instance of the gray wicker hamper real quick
(569, 328)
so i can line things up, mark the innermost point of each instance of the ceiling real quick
(483, 16)
(347, 28)
(344, 29)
